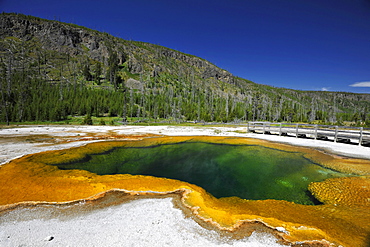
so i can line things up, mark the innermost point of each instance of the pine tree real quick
(86, 72)
(97, 72)
(113, 68)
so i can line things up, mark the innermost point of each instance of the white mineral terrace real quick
(145, 222)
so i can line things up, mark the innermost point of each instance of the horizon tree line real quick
(41, 85)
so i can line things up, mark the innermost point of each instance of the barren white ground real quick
(146, 222)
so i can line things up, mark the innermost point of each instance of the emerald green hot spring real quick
(246, 171)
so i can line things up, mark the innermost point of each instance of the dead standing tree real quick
(5, 94)
(6, 78)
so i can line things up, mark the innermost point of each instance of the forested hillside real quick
(52, 70)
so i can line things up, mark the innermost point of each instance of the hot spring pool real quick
(246, 171)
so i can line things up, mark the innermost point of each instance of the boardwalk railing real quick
(344, 134)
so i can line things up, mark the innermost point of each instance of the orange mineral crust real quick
(343, 219)
(348, 191)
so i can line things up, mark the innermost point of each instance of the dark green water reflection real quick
(246, 171)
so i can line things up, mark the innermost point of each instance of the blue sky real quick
(299, 44)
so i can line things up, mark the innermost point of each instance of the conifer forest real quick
(51, 71)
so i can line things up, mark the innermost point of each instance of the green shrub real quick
(87, 120)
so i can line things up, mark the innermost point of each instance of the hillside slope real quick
(50, 70)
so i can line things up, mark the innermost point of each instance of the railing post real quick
(264, 127)
(315, 131)
(336, 134)
(360, 139)
(248, 128)
(280, 129)
(296, 131)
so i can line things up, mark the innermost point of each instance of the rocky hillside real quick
(79, 41)
(141, 79)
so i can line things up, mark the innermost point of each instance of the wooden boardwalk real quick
(343, 134)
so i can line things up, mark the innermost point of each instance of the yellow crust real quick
(342, 220)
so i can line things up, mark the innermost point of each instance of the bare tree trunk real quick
(3, 92)
(131, 102)
(227, 107)
(124, 110)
